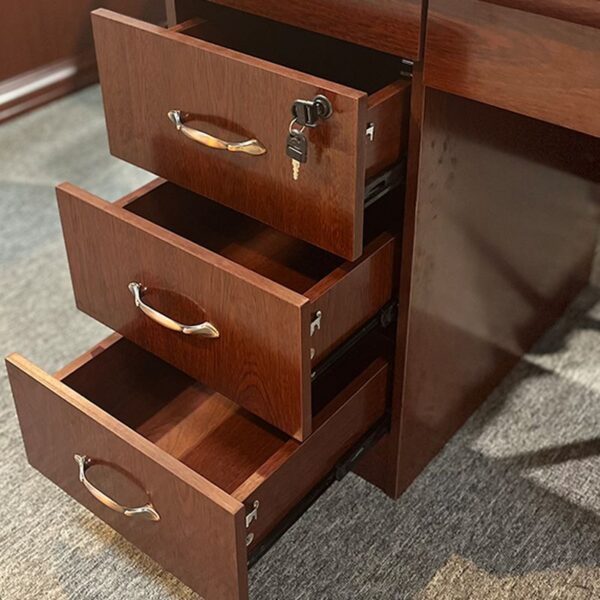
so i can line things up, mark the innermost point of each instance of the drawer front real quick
(200, 536)
(392, 26)
(528, 63)
(259, 359)
(234, 97)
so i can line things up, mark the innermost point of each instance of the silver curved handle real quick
(145, 512)
(253, 147)
(205, 329)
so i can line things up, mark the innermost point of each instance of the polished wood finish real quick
(201, 260)
(47, 48)
(392, 26)
(259, 358)
(199, 457)
(220, 73)
(519, 61)
(500, 224)
(506, 223)
(584, 12)
(201, 535)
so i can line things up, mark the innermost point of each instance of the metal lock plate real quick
(253, 514)
(315, 324)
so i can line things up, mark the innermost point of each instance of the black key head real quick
(297, 147)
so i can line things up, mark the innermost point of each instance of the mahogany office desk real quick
(369, 211)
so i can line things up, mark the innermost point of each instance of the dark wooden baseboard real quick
(37, 87)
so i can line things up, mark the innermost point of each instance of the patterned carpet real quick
(510, 509)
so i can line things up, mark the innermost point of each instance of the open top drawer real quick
(230, 301)
(229, 87)
(182, 472)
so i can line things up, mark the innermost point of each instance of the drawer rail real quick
(343, 467)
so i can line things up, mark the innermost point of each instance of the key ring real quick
(291, 127)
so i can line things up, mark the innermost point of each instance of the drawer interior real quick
(291, 262)
(355, 66)
(201, 428)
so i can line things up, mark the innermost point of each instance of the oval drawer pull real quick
(205, 329)
(253, 147)
(145, 512)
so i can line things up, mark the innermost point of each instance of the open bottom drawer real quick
(182, 472)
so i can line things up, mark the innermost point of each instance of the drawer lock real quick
(308, 113)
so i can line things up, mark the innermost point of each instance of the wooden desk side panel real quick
(506, 225)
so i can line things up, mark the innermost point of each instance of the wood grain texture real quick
(48, 51)
(236, 96)
(524, 62)
(392, 26)
(584, 12)
(232, 272)
(202, 429)
(142, 421)
(35, 34)
(201, 535)
(259, 359)
(279, 257)
(505, 229)
(352, 294)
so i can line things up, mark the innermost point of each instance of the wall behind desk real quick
(47, 50)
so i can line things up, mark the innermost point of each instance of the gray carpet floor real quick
(510, 508)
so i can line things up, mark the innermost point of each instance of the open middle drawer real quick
(229, 85)
(230, 301)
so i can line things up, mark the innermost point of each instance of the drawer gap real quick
(379, 186)
(291, 262)
(383, 319)
(345, 63)
(341, 469)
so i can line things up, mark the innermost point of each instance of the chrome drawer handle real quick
(146, 512)
(253, 147)
(205, 329)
